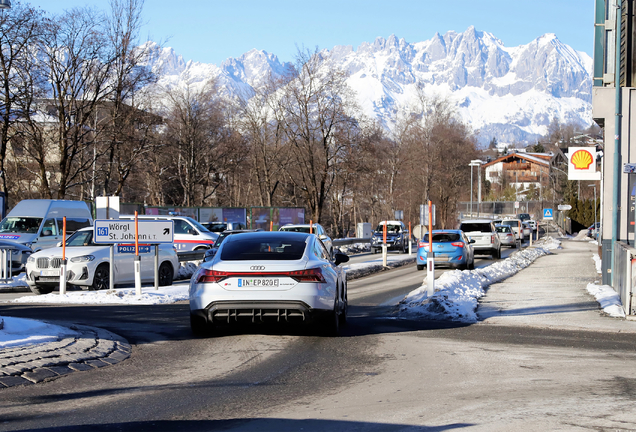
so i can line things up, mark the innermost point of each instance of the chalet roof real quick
(538, 158)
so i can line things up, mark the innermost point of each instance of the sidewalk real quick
(551, 293)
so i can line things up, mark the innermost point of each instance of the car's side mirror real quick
(193, 232)
(472, 241)
(340, 258)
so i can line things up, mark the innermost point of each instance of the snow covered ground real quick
(20, 332)
(457, 292)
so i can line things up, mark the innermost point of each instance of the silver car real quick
(506, 236)
(270, 276)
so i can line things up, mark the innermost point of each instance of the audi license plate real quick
(256, 283)
(50, 272)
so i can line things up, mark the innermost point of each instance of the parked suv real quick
(485, 235)
(397, 237)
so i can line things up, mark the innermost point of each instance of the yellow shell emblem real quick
(581, 159)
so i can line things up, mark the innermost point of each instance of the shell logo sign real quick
(582, 164)
(581, 159)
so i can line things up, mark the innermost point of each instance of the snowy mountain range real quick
(510, 93)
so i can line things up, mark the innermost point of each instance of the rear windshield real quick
(443, 237)
(472, 227)
(297, 229)
(503, 229)
(257, 248)
(217, 227)
(511, 223)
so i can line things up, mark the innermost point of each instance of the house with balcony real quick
(520, 170)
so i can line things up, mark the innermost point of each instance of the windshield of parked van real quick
(20, 225)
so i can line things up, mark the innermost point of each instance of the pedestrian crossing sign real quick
(547, 214)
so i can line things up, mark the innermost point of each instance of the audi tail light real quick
(215, 276)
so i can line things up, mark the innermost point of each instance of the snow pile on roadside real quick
(19, 332)
(597, 263)
(581, 236)
(356, 271)
(457, 292)
(149, 295)
(187, 269)
(16, 281)
(354, 248)
(608, 299)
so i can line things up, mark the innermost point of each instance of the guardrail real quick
(350, 241)
(5, 263)
(191, 256)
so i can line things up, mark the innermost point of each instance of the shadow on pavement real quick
(254, 424)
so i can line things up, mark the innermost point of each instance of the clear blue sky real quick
(210, 31)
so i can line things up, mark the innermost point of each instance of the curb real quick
(10, 289)
(92, 348)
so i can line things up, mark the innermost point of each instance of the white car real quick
(315, 229)
(270, 276)
(506, 236)
(88, 264)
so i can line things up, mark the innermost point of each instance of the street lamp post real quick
(477, 163)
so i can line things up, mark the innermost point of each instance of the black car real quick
(524, 217)
(209, 254)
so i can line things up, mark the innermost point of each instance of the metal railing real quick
(5, 263)
(625, 275)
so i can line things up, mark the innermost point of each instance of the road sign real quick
(565, 207)
(112, 231)
(424, 214)
(547, 214)
(130, 248)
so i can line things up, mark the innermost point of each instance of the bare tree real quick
(19, 32)
(194, 131)
(75, 63)
(312, 107)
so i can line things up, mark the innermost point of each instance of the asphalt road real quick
(384, 373)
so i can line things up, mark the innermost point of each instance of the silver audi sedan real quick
(270, 276)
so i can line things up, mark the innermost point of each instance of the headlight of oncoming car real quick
(83, 258)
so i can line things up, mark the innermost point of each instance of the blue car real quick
(451, 247)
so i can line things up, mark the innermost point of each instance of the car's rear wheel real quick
(39, 289)
(344, 310)
(331, 325)
(420, 267)
(101, 278)
(199, 326)
(471, 265)
(166, 274)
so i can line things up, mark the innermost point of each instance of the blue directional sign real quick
(547, 214)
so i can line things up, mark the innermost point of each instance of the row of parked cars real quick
(457, 248)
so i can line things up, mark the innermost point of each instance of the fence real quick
(502, 208)
(5, 263)
(625, 275)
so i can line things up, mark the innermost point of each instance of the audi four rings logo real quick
(257, 268)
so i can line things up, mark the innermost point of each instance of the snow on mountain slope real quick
(511, 93)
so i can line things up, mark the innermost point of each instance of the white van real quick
(37, 223)
(189, 235)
